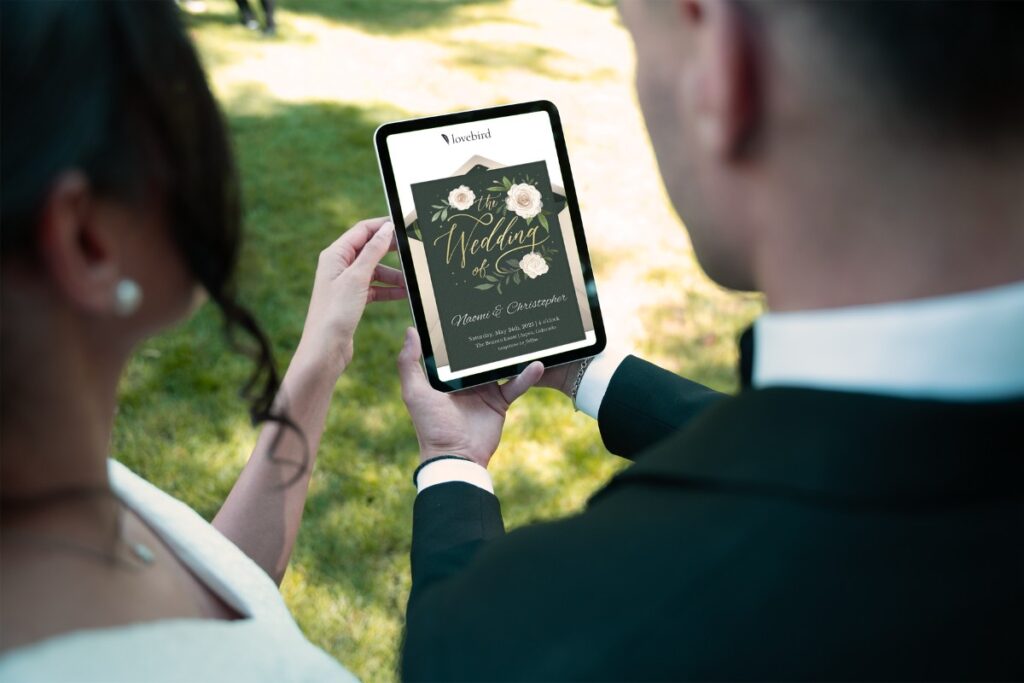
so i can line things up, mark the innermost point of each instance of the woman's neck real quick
(58, 405)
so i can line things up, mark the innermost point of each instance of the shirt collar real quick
(967, 346)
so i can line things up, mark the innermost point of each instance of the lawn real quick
(302, 109)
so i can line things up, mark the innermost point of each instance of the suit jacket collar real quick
(846, 448)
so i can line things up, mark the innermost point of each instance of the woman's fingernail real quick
(386, 229)
(408, 337)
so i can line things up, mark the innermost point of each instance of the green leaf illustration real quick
(516, 277)
(506, 182)
(499, 289)
(435, 216)
(496, 188)
(485, 287)
(444, 215)
(491, 278)
(529, 220)
(543, 221)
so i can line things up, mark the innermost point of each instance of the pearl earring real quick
(127, 297)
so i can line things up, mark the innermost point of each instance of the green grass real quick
(303, 138)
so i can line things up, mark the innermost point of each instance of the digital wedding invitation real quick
(497, 262)
(492, 243)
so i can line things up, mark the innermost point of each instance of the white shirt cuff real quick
(596, 380)
(454, 469)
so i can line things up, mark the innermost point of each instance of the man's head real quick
(794, 133)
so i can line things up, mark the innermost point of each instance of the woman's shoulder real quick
(174, 650)
(264, 645)
(144, 497)
(217, 561)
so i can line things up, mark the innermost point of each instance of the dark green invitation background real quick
(497, 263)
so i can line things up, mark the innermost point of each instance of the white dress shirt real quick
(961, 347)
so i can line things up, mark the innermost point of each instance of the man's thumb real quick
(517, 386)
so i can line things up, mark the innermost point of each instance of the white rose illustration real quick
(524, 200)
(533, 264)
(461, 198)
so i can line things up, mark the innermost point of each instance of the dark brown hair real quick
(955, 67)
(115, 89)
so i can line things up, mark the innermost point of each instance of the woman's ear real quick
(78, 247)
(723, 86)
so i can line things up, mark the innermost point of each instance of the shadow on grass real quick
(392, 16)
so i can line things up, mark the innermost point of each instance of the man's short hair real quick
(954, 66)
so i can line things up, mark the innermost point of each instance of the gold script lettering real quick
(507, 236)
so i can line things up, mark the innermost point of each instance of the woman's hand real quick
(343, 285)
(467, 423)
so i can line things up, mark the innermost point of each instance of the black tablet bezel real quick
(416, 304)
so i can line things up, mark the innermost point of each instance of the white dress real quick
(266, 646)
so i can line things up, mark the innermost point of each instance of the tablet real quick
(491, 242)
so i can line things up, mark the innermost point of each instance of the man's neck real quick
(905, 234)
(814, 293)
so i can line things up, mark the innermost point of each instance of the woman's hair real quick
(115, 90)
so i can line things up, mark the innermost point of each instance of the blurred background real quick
(302, 106)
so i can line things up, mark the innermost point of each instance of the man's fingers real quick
(373, 251)
(385, 294)
(388, 276)
(517, 386)
(409, 370)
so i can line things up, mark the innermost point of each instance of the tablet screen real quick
(497, 263)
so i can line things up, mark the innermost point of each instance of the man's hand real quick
(343, 285)
(467, 423)
(561, 377)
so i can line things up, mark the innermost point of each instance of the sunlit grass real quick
(302, 109)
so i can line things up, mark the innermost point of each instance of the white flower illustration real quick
(533, 265)
(524, 200)
(461, 198)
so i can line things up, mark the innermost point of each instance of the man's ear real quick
(723, 87)
(78, 250)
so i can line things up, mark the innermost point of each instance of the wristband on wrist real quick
(416, 473)
(579, 378)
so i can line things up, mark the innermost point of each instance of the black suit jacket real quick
(779, 534)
